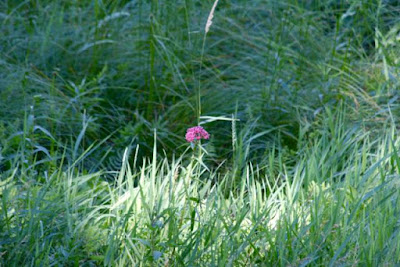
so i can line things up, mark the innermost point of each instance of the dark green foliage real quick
(128, 67)
(301, 99)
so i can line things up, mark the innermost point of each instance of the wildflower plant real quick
(195, 134)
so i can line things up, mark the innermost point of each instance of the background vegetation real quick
(301, 99)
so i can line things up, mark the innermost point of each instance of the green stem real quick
(199, 83)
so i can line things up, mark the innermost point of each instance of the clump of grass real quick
(336, 205)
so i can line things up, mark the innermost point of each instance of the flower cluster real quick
(196, 133)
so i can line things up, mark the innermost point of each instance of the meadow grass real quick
(337, 205)
(300, 98)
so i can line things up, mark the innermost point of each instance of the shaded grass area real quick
(127, 67)
(300, 99)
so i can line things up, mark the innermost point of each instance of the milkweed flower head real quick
(196, 133)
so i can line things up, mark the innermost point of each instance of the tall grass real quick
(132, 66)
(300, 99)
(338, 204)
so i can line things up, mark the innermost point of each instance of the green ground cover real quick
(301, 100)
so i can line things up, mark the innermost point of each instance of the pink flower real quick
(196, 133)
